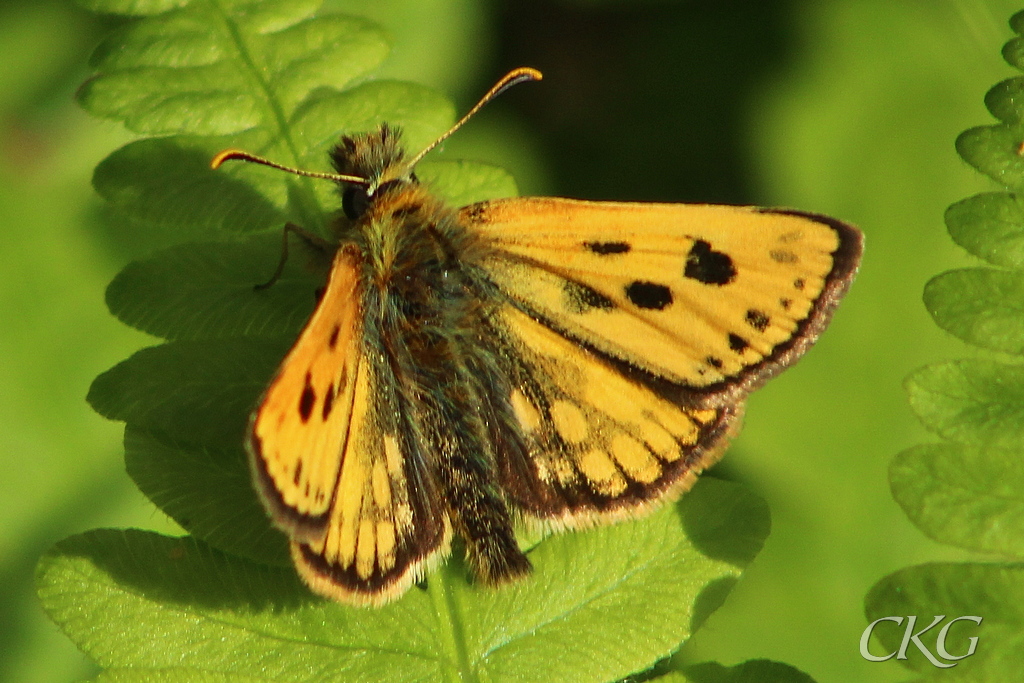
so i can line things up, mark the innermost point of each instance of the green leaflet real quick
(194, 392)
(982, 306)
(259, 75)
(969, 496)
(989, 226)
(167, 184)
(970, 401)
(131, 7)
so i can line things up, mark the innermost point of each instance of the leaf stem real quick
(451, 634)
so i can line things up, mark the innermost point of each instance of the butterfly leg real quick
(312, 240)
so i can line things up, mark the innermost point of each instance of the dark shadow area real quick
(725, 521)
(710, 599)
(759, 670)
(185, 571)
(645, 100)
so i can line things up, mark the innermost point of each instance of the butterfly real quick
(554, 361)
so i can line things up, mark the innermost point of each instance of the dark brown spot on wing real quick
(649, 295)
(328, 402)
(607, 248)
(307, 400)
(706, 265)
(757, 319)
(799, 283)
(714, 362)
(333, 340)
(737, 343)
(783, 256)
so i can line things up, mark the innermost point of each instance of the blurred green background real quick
(846, 107)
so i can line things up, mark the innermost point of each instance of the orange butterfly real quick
(559, 361)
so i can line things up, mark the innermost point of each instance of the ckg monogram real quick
(947, 660)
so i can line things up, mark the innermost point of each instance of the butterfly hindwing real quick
(333, 462)
(713, 298)
(599, 445)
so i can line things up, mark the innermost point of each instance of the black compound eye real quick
(354, 201)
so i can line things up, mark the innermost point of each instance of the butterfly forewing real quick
(699, 295)
(600, 446)
(304, 420)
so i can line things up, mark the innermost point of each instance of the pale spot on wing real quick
(543, 465)
(393, 455)
(343, 548)
(550, 345)
(685, 430)
(386, 545)
(635, 459)
(366, 550)
(526, 413)
(602, 473)
(347, 510)
(660, 440)
(381, 486)
(564, 471)
(569, 421)
(403, 516)
(706, 416)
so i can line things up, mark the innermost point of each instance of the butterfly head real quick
(379, 158)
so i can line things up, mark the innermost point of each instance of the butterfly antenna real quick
(514, 77)
(230, 154)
